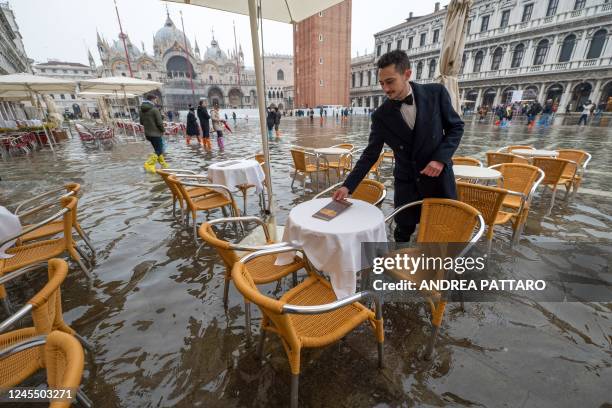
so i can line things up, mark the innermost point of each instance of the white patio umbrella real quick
(453, 44)
(285, 11)
(35, 85)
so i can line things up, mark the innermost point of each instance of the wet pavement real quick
(163, 339)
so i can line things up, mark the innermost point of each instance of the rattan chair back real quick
(466, 161)
(445, 220)
(486, 199)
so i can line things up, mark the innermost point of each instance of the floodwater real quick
(163, 339)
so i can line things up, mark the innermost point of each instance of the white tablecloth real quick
(232, 173)
(334, 247)
(331, 151)
(475, 172)
(536, 152)
(9, 226)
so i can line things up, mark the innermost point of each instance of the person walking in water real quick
(151, 120)
(270, 119)
(192, 126)
(217, 123)
(277, 118)
(204, 118)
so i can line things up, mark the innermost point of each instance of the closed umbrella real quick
(285, 11)
(451, 53)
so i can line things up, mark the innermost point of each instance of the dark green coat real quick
(151, 119)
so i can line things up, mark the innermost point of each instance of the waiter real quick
(419, 124)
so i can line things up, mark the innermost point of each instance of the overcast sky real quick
(64, 29)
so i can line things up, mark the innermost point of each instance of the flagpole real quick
(188, 61)
(122, 36)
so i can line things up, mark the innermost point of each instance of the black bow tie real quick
(407, 100)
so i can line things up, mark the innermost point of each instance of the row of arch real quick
(275, 94)
(595, 50)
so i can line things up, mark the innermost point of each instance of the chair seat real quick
(198, 191)
(22, 365)
(211, 201)
(50, 229)
(263, 270)
(28, 254)
(310, 168)
(568, 179)
(326, 328)
(503, 217)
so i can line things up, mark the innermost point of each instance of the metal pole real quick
(188, 61)
(261, 101)
(122, 36)
(237, 64)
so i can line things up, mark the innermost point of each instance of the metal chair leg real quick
(381, 352)
(86, 271)
(84, 342)
(247, 317)
(226, 292)
(293, 180)
(260, 344)
(294, 279)
(432, 343)
(83, 399)
(295, 383)
(8, 308)
(87, 241)
(195, 232)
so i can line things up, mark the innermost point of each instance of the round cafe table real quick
(330, 151)
(475, 173)
(334, 247)
(535, 153)
(232, 173)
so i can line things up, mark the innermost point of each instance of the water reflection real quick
(163, 338)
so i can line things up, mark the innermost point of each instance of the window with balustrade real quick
(597, 44)
(551, 10)
(498, 54)
(353, 80)
(505, 19)
(436, 36)
(463, 61)
(399, 44)
(527, 10)
(432, 68)
(361, 79)
(389, 47)
(419, 70)
(484, 23)
(423, 39)
(541, 51)
(567, 48)
(410, 41)
(579, 4)
(517, 56)
(378, 50)
(478, 61)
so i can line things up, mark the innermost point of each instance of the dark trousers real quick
(405, 221)
(156, 142)
(583, 118)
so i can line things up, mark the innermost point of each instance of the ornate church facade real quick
(218, 76)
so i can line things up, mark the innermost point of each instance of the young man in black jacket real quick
(204, 118)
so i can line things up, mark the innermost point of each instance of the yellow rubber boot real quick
(162, 161)
(150, 163)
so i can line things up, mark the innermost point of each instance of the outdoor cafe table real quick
(232, 173)
(334, 247)
(475, 173)
(535, 153)
(327, 151)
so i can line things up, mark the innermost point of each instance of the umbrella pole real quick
(127, 105)
(261, 101)
(49, 137)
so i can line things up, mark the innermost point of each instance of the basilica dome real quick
(215, 53)
(168, 35)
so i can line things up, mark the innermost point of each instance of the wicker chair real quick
(346, 146)
(177, 196)
(262, 271)
(574, 173)
(495, 158)
(210, 201)
(307, 316)
(371, 191)
(32, 253)
(488, 200)
(553, 170)
(509, 149)
(343, 165)
(34, 206)
(46, 305)
(302, 163)
(466, 161)
(388, 154)
(521, 181)
(59, 353)
(442, 221)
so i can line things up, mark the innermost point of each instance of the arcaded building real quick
(322, 57)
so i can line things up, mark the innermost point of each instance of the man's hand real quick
(433, 169)
(341, 194)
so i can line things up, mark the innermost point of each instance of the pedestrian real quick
(204, 118)
(225, 115)
(586, 111)
(277, 119)
(246, 118)
(234, 117)
(151, 120)
(423, 137)
(547, 111)
(192, 126)
(311, 114)
(270, 119)
(532, 113)
(169, 116)
(217, 123)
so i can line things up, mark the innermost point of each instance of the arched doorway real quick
(554, 92)
(281, 106)
(488, 97)
(530, 93)
(470, 99)
(581, 95)
(606, 97)
(178, 66)
(215, 97)
(235, 98)
(506, 96)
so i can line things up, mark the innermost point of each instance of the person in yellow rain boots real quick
(162, 161)
(151, 119)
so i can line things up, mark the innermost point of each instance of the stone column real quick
(497, 96)
(478, 98)
(596, 92)
(541, 94)
(567, 96)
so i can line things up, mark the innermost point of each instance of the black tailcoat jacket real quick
(436, 135)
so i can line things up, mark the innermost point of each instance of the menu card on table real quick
(332, 210)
